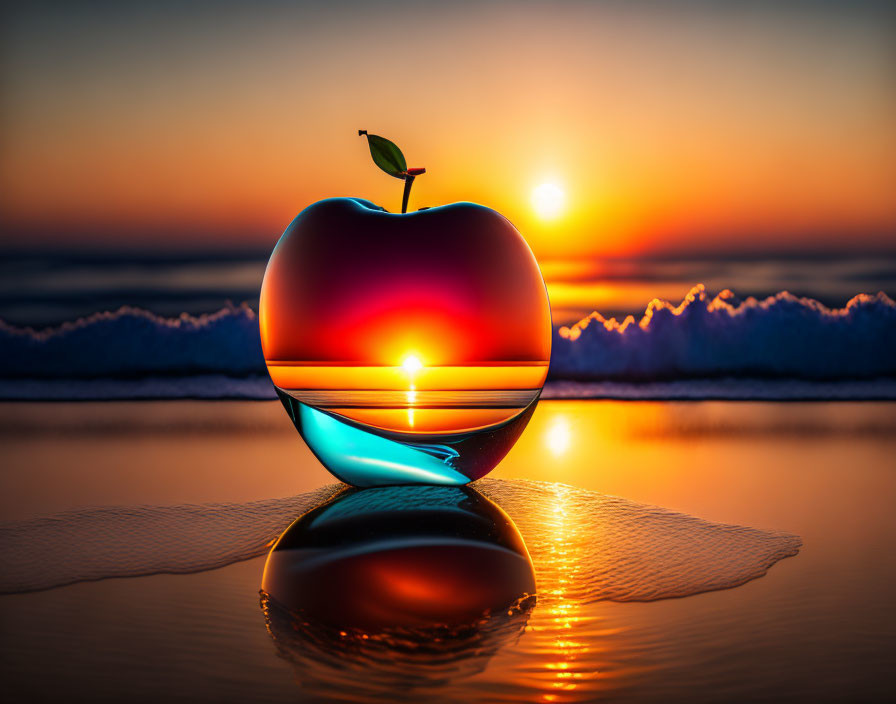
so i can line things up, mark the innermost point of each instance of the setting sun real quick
(548, 199)
(412, 364)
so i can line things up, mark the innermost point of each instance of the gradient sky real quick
(710, 126)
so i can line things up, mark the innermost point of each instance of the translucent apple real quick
(406, 348)
(400, 557)
(396, 589)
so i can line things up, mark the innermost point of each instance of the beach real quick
(447, 352)
(815, 627)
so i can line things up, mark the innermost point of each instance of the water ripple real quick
(585, 546)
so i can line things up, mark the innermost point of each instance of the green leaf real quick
(386, 155)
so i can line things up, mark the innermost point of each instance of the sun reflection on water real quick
(558, 574)
(411, 399)
(558, 436)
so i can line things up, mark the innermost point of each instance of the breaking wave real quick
(781, 336)
(131, 342)
(703, 337)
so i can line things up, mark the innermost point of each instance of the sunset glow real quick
(540, 332)
(766, 138)
(412, 364)
(558, 436)
(548, 200)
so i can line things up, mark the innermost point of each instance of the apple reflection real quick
(395, 588)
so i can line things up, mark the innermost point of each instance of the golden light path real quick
(412, 365)
(485, 376)
(412, 397)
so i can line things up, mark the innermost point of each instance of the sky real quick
(689, 127)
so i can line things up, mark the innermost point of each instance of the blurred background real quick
(152, 153)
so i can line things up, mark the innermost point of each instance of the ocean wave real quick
(132, 342)
(703, 337)
(780, 336)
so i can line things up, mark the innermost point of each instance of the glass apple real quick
(396, 589)
(406, 348)
(400, 557)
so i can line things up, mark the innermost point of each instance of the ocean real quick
(705, 543)
(185, 326)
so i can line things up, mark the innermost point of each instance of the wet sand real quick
(819, 626)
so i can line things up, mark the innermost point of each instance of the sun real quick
(548, 199)
(412, 364)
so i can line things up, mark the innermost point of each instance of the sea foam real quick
(780, 336)
(606, 548)
(132, 353)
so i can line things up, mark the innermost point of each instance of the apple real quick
(396, 557)
(424, 328)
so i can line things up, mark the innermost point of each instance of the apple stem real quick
(408, 182)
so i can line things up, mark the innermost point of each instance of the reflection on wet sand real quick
(379, 592)
(566, 663)
(194, 498)
(416, 588)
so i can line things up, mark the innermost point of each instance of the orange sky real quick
(694, 129)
